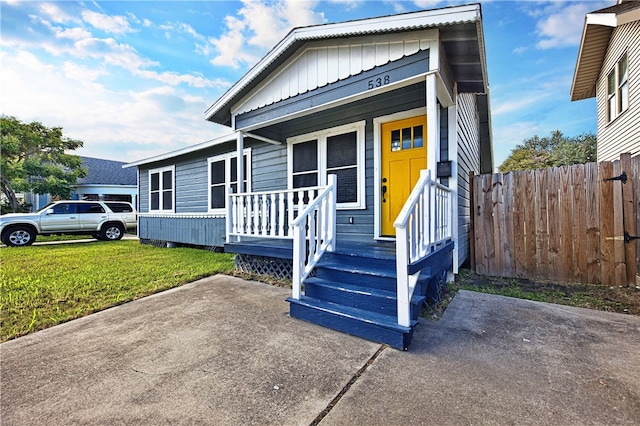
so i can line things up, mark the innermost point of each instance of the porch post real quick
(433, 123)
(240, 150)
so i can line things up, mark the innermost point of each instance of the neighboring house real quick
(372, 102)
(106, 180)
(608, 68)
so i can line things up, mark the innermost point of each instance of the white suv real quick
(104, 220)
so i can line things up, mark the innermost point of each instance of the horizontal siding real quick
(202, 231)
(623, 133)
(468, 134)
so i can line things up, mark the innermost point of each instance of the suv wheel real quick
(19, 236)
(112, 232)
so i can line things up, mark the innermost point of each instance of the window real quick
(90, 208)
(223, 173)
(338, 151)
(65, 208)
(618, 89)
(161, 189)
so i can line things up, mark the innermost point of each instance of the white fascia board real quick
(193, 148)
(606, 19)
(427, 18)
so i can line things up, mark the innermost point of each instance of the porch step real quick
(360, 296)
(358, 322)
(354, 290)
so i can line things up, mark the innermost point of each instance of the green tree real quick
(33, 158)
(551, 151)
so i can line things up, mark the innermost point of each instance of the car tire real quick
(19, 236)
(112, 232)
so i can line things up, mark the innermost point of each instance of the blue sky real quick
(133, 79)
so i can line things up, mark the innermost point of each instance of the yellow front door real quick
(404, 154)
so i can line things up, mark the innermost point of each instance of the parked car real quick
(104, 220)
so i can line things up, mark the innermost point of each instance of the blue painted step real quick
(358, 322)
(360, 296)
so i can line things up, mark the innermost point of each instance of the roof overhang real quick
(232, 137)
(472, 70)
(598, 27)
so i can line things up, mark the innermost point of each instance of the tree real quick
(33, 158)
(551, 151)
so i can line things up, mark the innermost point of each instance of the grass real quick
(625, 300)
(41, 286)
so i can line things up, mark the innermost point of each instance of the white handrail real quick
(423, 223)
(267, 214)
(315, 226)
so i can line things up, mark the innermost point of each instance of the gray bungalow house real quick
(357, 140)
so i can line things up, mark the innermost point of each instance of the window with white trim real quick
(161, 190)
(618, 89)
(340, 151)
(223, 174)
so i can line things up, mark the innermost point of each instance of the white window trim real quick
(227, 178)
(321, 136)
(173, 189)
(617, 94)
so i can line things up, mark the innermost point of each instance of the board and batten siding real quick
(468, 135)
(623, 133)
(319, 65)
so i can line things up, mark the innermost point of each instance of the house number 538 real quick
(377, 82)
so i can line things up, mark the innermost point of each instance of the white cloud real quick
(55, 13)
(560, 23)
(258, 26)
(109, 24)
(68, 95)
(72, 33)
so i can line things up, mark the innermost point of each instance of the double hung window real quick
(223, 174)
(618, 89)
(338, 151)
(161, 189)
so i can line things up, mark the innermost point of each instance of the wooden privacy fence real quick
(567, 224)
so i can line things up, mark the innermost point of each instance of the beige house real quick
(608, 68)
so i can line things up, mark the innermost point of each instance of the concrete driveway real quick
(223, 351)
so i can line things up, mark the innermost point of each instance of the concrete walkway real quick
(223, 351)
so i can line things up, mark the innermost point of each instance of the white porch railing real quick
(305, 215)
(267, 214)
(315, 226)
(423, 223)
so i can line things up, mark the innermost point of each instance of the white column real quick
(433, 123)
(453, 182)
(240, 149)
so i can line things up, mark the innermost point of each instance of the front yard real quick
(41, 286)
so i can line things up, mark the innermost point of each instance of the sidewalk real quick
(224, 351)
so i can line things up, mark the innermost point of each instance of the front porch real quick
(374, 290)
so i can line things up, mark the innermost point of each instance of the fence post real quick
(629, 218)
(472, 222)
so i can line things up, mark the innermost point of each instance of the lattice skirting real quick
(155, 243)
(261, 265)
(165, 244)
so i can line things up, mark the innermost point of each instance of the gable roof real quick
(596, 34)
(106, 172)
(467, 63)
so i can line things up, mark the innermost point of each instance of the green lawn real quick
(41, 286)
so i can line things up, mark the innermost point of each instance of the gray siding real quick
(468, 160)
(202, 231)
(399, 100)
(623, 133)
